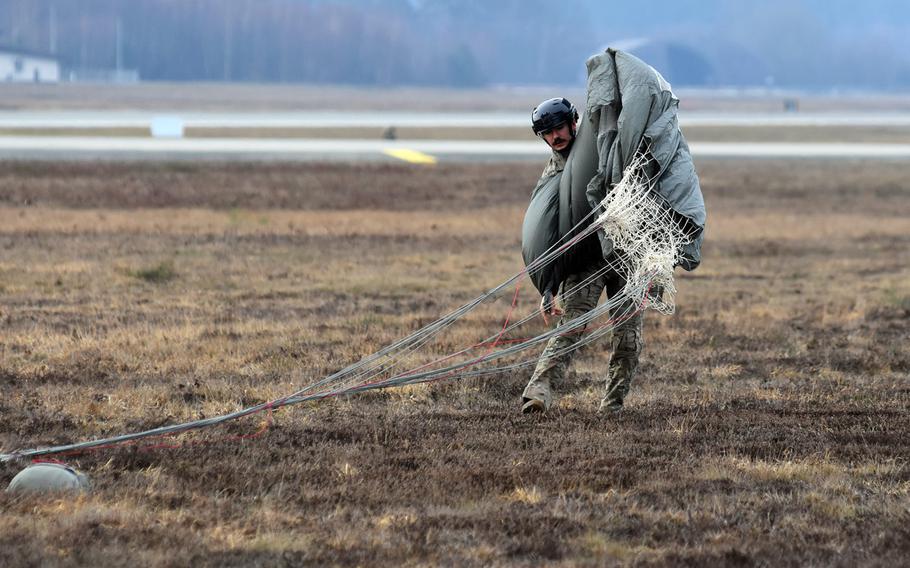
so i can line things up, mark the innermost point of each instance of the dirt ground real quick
(768, 424)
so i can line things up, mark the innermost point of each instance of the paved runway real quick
(338, 119)
(420, 151)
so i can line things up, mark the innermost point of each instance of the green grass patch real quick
(158, 274)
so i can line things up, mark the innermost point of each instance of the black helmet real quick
(552, 113)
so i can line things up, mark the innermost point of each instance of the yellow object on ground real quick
(412, 156)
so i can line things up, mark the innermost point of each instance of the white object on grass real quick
(43, 477)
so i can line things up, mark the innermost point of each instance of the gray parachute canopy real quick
(633, 109)
(540, 231)
(629, 108)
(558, 204)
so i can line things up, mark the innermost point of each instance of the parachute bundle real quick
(647, 238)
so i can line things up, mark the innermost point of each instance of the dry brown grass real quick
(768, 424)
(794, 134)
(265, 97)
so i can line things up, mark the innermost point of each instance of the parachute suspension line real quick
(417, 339)
(576, 325)
(492, 339)
(307, 392)
(646, 233)
(421, 336)
(647, 239)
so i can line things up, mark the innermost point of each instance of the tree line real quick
(466, 43)
(365, 42)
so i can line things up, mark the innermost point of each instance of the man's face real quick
(559, 138)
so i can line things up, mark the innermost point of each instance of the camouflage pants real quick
(627, 339)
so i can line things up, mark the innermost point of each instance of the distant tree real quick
(463, 68)
(469, 42)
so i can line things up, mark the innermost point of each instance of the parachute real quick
(540, 231)
(557, 204)
(630, 117)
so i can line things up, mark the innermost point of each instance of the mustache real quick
(558, 141)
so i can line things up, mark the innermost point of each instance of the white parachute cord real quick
(628, 311)
(369, 376)
(278, 403)
(422, 336)
(645, 233)
(299, 396)
(577, 323)
(586, 339)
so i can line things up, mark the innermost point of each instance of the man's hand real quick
(548, 306)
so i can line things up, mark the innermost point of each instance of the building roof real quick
(19, 50)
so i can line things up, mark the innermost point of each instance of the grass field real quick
(274, 97)
(797, 134)
(768, 424)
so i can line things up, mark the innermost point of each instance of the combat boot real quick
(627, 346)
(620, 380)
(537, 396)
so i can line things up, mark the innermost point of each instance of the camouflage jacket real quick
(556, 164)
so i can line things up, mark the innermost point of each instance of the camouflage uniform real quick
(627, 339)
(556, 164)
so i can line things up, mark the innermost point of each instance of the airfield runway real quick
(347, 119)
(420, 151)
(20, 141)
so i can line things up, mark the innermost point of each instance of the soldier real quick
(556, 121)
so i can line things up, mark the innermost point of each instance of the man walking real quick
(555, 121)
(630, 111)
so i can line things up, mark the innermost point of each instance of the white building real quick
(21, 66)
